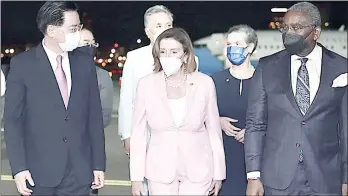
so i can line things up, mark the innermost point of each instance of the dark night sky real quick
(123, 21)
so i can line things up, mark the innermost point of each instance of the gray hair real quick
(311, 10)
(251, 36)
(156, 9)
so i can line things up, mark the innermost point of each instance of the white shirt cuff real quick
(253, 175)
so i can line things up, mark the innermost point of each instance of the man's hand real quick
(138, 188)
(215, 187)
(344, 189)
(98, 180)
(240, 136)
(126, 145)
(255, 188)
(20, 180)
(227, 127)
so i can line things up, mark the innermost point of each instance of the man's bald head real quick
(87, 37)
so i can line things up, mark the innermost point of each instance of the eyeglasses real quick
(75, 28)
(283, 28)
(92, 43)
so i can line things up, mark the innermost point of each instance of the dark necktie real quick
(302, 87)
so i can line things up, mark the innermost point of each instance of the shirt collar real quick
(52, 56)
(315, 54)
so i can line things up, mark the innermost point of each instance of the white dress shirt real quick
(52, 57)
(313, 66)
(3, 83)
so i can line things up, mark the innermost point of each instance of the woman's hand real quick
(215, 187)
(138, 188)
(227, 127)
(240, 136)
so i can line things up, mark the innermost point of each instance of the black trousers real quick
(69, 186)
(298, 186)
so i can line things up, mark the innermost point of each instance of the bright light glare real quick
(279, 10)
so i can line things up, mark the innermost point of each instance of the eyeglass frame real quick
(75, 28)
(301, 27)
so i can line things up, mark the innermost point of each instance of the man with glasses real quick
(296, 123)
(88, 45)
(53, 116)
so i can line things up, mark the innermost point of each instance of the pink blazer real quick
(199, 135)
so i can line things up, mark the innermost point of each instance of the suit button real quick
(298, 145)
(303, 123)
(66, 118)
(64, 139)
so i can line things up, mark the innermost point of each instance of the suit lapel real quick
(163, 94)
(191, 87)
(285, 77)
(324, 84)
(47, 75)
(73, 61)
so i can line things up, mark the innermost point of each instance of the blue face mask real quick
(236, 55)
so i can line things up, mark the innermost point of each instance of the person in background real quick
(232, 89)
(106, 89)
(184, 155)
(140, 63)
(296, 124)
(53, 117)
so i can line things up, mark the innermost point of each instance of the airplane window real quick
(265, 46)
(260, 46)
(332, 47)
(271, 47)
(344, 47)
(278, 46)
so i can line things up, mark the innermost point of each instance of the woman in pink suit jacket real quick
(185, 154)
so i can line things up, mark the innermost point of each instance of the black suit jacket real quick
(41, 135)
(276, 129)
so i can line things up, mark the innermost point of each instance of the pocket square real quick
(340, 81)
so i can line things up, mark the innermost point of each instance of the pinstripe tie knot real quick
(303, 61)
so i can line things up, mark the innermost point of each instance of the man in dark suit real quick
(296, 128)
(106, 89)
(53, 117)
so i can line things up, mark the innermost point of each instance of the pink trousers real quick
(180, 186)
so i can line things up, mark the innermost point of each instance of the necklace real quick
(180, 84)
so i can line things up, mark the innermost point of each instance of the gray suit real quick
(106, 90)
(275, 127)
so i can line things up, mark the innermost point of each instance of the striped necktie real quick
(302, 87)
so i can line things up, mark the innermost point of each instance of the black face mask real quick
(295, 43)
(88, 49)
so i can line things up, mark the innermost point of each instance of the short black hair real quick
(52, 13)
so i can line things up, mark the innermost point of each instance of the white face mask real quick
(170, 65)
(71, 41)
